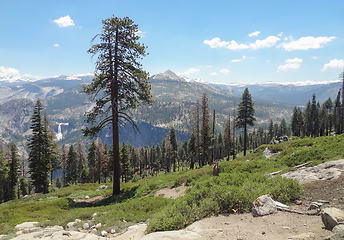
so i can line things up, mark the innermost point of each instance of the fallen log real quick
(302, 165)
(298, 212)
(274, 173)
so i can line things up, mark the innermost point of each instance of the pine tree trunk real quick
(114, 96)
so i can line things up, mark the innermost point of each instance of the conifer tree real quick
(4, 169)
(64, 164)
(245, 115)
(206, 135)
(271, 130)
(125, 163)
(14, 171)
(72, 166)
(39, 157)
(192, 150)
(174, 144)
(91, 159)
(158, 156)
(102, 166)
(282, 128)
(51, 151)
(220, 147)
(296, 122)
(329, 105)
(120, 82)
(82, 160)
(23, 186)
(228, 135)
(195, 130)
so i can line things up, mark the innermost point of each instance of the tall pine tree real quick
(120, 82)
(206, 135)
(245, 115)
(39, 157)
(72, 166)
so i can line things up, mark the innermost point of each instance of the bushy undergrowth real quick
(239, 183)
(225, 193)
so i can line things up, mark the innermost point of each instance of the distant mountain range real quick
(174, 97)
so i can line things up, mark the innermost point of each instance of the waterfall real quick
(59, 134)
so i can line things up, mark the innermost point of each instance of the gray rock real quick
(77, 220)
(103, 233)
(70, 226)
(263, 205)
(324, 171)
(86, 226)
(331, 217)
(113, 229)
(102, 187)
(87, 197)
(338, 233)
(267, 152)
(99, 225)
(26, 225)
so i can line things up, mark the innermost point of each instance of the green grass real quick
(239, 183)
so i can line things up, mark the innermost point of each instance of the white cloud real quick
(290, 65)
(12, 75)
(254, 34)
(280, 34)
(56, 45)
(190, 71)
(333, 64)
(216, 43)
(224, 71)
(65, 21)
(239, 60)
(213, 74)
(305, 43)
(268, 42)
(235, 46)
(315, 57)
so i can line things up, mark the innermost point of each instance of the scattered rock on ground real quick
(102, 187)
(26, 225)
(103, 233)
(267, 152)
(70, 226)
(86, 226)
(337, 233)
(263, 205)
(99, 225)
(113, 229)
(331, 217)
(324, 171)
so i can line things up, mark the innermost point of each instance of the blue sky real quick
(216, 41)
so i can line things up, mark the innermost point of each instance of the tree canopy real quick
(245, 115)
(120, 83)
